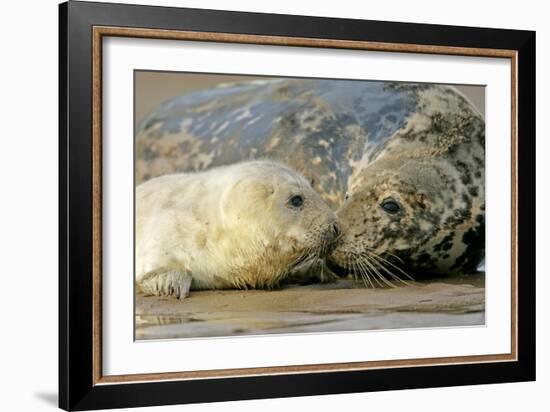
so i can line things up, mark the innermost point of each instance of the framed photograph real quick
(256, 206)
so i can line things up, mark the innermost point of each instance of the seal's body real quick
(239, 226)
(419, 202)
(317, 127)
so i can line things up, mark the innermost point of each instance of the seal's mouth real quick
(327, 242)
(330, 238)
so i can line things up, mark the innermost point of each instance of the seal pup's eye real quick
(296, 201)
(346, 196)
(390, 206)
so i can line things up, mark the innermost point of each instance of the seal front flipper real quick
(171, 283)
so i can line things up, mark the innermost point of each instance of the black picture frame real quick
(78, 389)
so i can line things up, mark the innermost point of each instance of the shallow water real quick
(341, 306)
(173, 328)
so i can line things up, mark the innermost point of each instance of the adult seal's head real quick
(418, 204)
(240, 226)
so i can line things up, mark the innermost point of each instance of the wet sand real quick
(341, 306)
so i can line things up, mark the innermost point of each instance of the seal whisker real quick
(388, 271)
(380, 258)
(373, 250)
(382, 277)
(379, 264)
(363, 276)
(385, 269)
(347, 264)
(355, 266)
(354, 271)
(366, 272)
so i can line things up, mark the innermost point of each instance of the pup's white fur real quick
(229, 227)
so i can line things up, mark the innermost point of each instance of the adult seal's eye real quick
(390, 206)
(296, 201)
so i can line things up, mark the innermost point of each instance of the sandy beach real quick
(341, 306)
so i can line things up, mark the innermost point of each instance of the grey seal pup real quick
(240, 226)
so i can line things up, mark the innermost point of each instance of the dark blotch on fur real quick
(445, 244)
(474, 239)
(465, 174)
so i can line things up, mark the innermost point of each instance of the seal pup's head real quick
(418, 207)
(274, 221)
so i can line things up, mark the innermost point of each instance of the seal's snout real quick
(331, 236)
(336, 230)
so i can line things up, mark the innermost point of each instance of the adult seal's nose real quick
(336, 230)
(331, 235)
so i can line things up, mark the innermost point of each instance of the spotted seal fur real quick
(310, 125)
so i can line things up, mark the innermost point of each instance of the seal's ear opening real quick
(246, 194)
(257, 189)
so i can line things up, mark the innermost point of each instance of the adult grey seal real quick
(240, 226)
(342, 135)
(417, 206)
